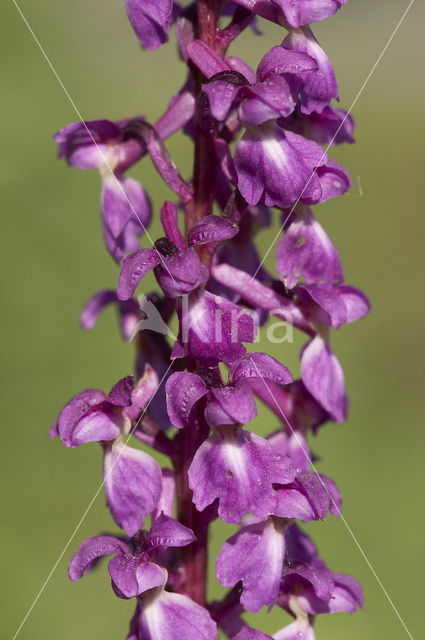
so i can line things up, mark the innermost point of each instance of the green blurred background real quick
(54, 259)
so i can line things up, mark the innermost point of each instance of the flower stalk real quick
(258, 148)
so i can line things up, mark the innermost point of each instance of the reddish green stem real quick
(204, 163)
(194, 557)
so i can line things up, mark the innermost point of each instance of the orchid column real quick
(258, 144)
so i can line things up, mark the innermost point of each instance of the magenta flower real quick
(125, 207)
(283, 167)
(259, 140)
(227, 404)
(132, 478)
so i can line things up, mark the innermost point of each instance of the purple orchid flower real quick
(133, 568)
(317, 87)
(125, 207)
(212, 329)
(284, 168)
(308, 588)
(177, 267)
(239, 469)
(260, 97)
(255, 554)
(227, 404)
(306, 251)
(132, 478)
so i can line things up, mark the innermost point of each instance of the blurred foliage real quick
(53, 260)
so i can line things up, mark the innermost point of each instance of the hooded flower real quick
(321, 371)
(262, 96)
(317, 87)
(133, 569)
(132, 478)
(125, 207)
(283, 168)
(227, 404)
(177, 267)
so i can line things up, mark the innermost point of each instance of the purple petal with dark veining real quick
(211, 229)
(279, 60)
(90, 550)
(183, 389)
(214, 329)
(168, 532)
(316, 88)
(134, 269)
(259, 365)
(74, 410)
